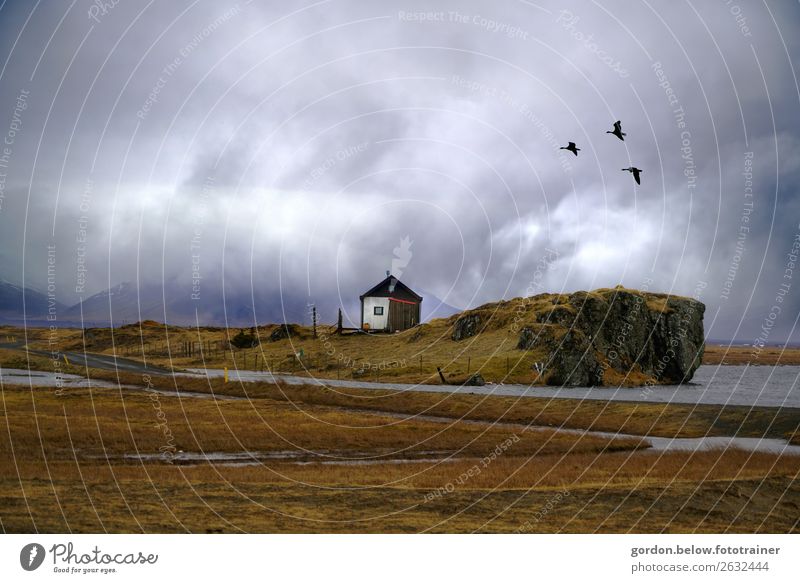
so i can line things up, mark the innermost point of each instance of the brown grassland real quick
(365, 462)
(348, 460)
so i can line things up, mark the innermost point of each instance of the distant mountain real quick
(121, 304)
(433, 307)
(173, 303)
(18, 304)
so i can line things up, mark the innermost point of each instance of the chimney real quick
(388, 273)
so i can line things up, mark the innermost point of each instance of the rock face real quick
(571, 360)
(617, 336)
(475, 380)
(466, 326)
(606, 337)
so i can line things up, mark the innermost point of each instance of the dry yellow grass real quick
(638, 418)
(54, 477)
(93, 422)
(767, 356)
(22, 360)
(709, 492)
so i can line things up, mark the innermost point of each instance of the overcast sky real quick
(299, 144)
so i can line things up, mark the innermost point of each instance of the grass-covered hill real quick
(603, 337)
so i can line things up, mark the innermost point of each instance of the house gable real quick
(391, 287)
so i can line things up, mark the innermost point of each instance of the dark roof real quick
(391, 287)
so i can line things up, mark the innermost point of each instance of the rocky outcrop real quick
(616, 336)
(606, 337)
(466, 326)
(568, 358)
(475, 380)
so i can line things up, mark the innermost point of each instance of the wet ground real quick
(657, 444)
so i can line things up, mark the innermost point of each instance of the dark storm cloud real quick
(299, 145)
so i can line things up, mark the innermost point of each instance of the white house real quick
(390, 306)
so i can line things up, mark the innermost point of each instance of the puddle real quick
(758, 444)
(22, 377)
(258, 458)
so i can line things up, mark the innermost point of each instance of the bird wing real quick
(571, 145)
(636, 176)
(618, 126)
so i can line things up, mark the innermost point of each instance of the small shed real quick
(390, 306)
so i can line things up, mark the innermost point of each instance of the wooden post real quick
(339, 322)
(420, 364)
(314, 319)
(441, 375)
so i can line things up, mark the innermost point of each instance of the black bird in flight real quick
(571, 147)
(635, 171)
(618, 131)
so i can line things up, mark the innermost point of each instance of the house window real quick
(378, 310)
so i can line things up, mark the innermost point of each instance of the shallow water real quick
(22, 377)
(768, 386)
(257, 458)
(738, 385)
(35, 378)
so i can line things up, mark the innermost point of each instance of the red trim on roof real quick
(402, 301)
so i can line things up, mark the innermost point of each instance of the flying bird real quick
(618, 131)
(635, 171)
(571, 147)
